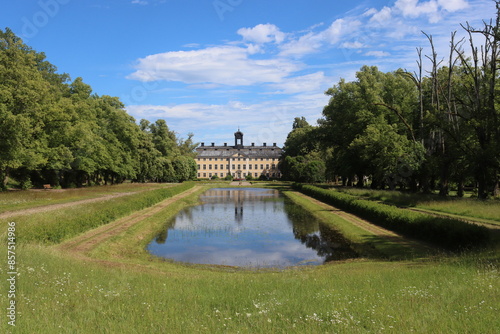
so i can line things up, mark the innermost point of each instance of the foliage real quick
(54, 131)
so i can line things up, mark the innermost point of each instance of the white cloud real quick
(262, 33)
(382, 16)
(139, 2)
(226, 65)
(315, 82)
(352, 45)
(412, 8)
(378, 54)
(264, 121)
(314, 42)
(453, 5)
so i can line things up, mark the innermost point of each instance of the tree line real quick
(433, 129)
(56, 131)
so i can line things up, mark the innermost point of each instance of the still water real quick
(248, 227)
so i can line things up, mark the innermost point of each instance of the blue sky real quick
(209, 67)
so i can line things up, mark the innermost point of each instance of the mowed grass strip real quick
(54, 227)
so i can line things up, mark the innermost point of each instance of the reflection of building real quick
(238, 160)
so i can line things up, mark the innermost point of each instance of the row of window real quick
(239, 166)
(234, 174)
(234, 159)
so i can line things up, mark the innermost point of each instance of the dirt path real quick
(52, 207)
(367, 226)
(83, 244)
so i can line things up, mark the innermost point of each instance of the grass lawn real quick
(120, 288)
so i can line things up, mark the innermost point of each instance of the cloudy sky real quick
(211, 66)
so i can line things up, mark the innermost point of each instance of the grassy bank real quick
(133, 292)
(54, 227)
(449, 233)
(363, 242)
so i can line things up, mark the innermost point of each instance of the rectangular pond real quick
(249, 227)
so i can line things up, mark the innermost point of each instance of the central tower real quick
(238, 139)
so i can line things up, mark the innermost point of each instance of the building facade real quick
(238, 160)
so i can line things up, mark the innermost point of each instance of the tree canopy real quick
(54, 130)
(410, 130)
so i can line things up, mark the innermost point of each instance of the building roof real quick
(268, 152)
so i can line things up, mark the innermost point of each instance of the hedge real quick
(449, 233)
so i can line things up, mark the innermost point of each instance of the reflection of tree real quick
(162, 237)
(327, 242)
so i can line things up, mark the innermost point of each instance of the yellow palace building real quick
(238, 160)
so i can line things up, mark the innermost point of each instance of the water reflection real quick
(248, 227)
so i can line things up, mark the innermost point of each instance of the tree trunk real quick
(461, 188)
(4, 174)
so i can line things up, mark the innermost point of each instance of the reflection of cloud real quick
(282, 254)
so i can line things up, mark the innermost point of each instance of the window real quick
(249, 166)
(199, 174)
(215, 174)
(274, 166)
(209, 166)
(256, 175)
(198, 167)
(204, 174)
(256, 166)
(215, 158)
(222, 166)
(209, 159)
(261, 166)
(227, 166)
(267, 166)
(204, 166)
(215, 166)
(234, 167)
(244, 166)
(209, 174)
(261, 159)
(239, 166)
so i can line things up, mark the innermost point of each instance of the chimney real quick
(202, 144)
(265, 144)
(274, 144)
(253, 144)
(225, 144)
(213, 144)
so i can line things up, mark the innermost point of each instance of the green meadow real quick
(117, 287)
